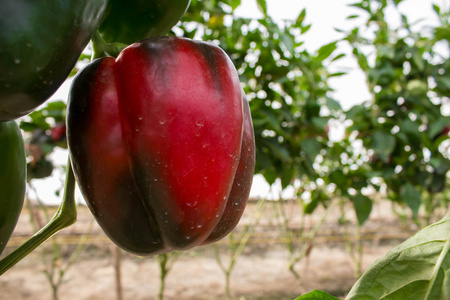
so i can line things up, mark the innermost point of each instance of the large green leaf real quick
(417, 269)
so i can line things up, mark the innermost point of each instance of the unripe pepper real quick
(40, 43)
(162, 144)
(12, 179)
(129, 21)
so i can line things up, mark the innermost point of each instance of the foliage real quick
(47, 130)
(420, 264)
(403, 129)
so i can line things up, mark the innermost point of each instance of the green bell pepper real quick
(40, 42)
(12, 178)
(130, 21)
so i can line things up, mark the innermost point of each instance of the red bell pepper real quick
(162, 144)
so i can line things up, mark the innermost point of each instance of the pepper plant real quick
(404, 127)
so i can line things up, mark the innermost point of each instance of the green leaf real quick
(337, 57)
(262, 5)
(440, 164)
(386, 51)
(337, 177)
(263, 160)
(411, 196)
(235, 4)
(317, 295)
(270, 175)
(286, 175)
(311, 147)
(333, 105)
(320, 122)
(362, 5)
(443, 82)
(437, 126)
(363, 207)
(336, 74)
(417, 269)
(356, 111)
(362, 60)
(27, 126)
(288, 41)
(310, 207)
(279, 151)
(352, 17)
(383, 144)
(411, 129)
(272, 120)
(437, 9)
(419, 61)
(301, 18)
(326, 50)
(306, 28)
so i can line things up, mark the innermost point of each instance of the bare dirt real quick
(261, 272)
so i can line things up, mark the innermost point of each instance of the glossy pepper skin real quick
(129, 21)
(162, 145)
(40, 42)
(12, 179)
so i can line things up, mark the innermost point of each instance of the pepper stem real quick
(102, 48)
(65, 216)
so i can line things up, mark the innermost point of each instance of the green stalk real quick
(102, 48)
(65, 216)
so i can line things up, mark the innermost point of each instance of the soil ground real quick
(261, 272)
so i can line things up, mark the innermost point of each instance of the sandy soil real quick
(261, 272)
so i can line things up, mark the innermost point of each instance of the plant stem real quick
(166, 262)
(64, 217)
(359, 249)
(118, 272)
(162, 259)
(237, 246)
(102, 48)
